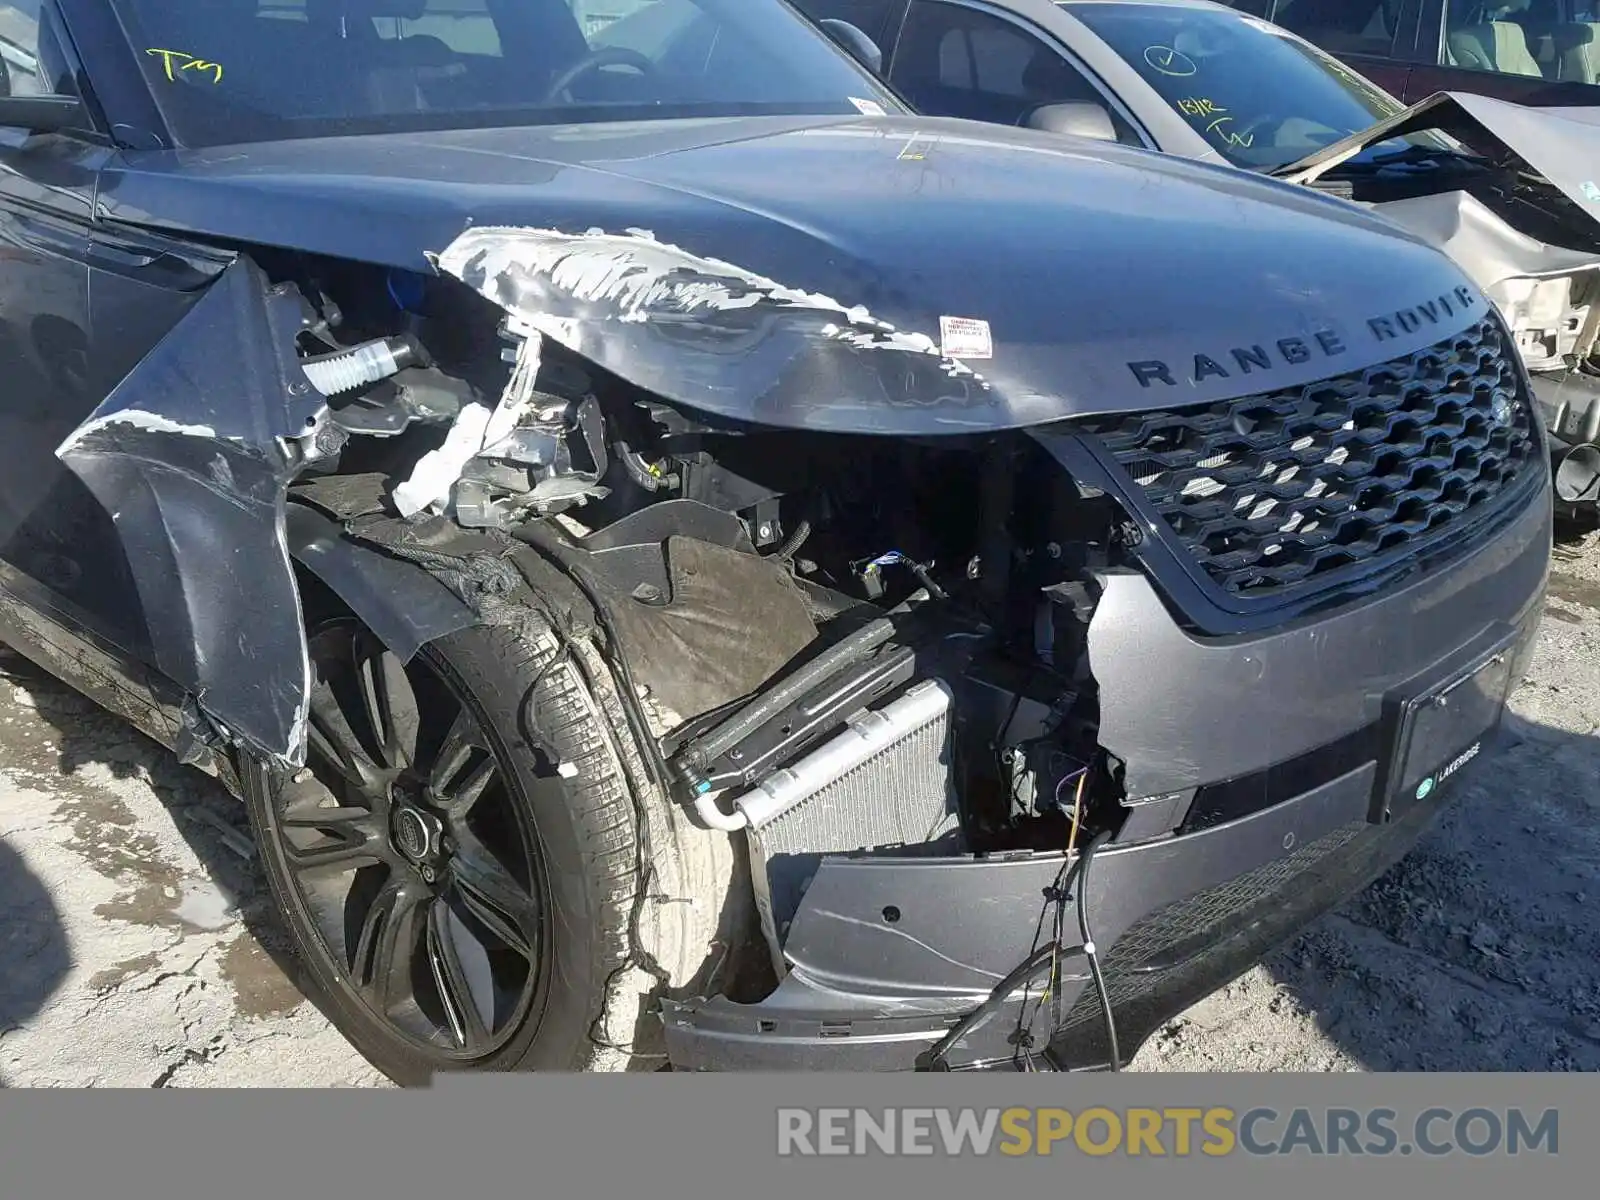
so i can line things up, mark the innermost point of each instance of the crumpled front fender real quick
(191, 455)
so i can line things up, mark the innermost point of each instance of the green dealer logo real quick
(1424, 788)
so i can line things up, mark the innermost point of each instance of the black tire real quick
(557, 787)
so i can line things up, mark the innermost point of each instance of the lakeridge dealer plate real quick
(1439, 730)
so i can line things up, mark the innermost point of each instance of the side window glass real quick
(1344, 26)
(595, 15)
(464, 26)
(19, 50)
(1517, 37)
(875, 18)
(953, 61)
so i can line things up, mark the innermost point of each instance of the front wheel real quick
(457, 863)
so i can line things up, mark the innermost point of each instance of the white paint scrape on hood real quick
(633, 277)
(631, 271)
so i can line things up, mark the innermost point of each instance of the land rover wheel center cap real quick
(416, 834)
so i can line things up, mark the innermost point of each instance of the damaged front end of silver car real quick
(1527, 231)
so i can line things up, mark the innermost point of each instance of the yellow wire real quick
(1077, 812)
(1072, 841)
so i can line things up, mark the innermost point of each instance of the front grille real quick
(1270, 491)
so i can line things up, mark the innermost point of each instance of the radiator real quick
(883, 784)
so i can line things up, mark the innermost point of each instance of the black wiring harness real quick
(1074, 870)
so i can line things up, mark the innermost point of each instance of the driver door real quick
(68, 602)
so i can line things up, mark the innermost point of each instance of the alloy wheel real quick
(406, 846)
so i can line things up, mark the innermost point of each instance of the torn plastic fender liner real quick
(191, 455)
(406, 608)
(727, 340)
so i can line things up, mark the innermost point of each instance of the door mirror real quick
(42, 114)
(1080, 118)
(861, 47)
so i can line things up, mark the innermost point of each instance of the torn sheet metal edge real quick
(705, 332)
(194, 466)
(139, 419)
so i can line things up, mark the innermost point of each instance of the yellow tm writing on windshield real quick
(171, 59)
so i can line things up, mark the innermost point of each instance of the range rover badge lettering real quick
(1228, 362)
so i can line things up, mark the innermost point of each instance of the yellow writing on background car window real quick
(1219, 120)
(171, 59)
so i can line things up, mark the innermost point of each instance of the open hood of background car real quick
(895, 275)
(1562, 144)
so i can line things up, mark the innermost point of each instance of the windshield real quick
(1258, 95)
(247, 70)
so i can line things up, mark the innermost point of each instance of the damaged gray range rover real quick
(689, 564)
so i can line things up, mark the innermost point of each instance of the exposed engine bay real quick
(640, 597)
(892, 588)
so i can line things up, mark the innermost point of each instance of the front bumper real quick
(885, 953)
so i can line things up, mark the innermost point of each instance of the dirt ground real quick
(138, 947)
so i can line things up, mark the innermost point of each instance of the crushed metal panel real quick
(1563, 145)
(191, 455)
(1464, 227)
(741, 345)
(1560, 145)
(1543, 291)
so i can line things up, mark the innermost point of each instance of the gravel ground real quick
(139, 948)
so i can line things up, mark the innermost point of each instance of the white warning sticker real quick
(965, 337)
(869, 108)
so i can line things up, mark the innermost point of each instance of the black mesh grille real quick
(1270, 491)
(1141, 958)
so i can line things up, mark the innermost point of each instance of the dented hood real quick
(890, 275)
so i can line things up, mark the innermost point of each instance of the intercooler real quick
(884, 784)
